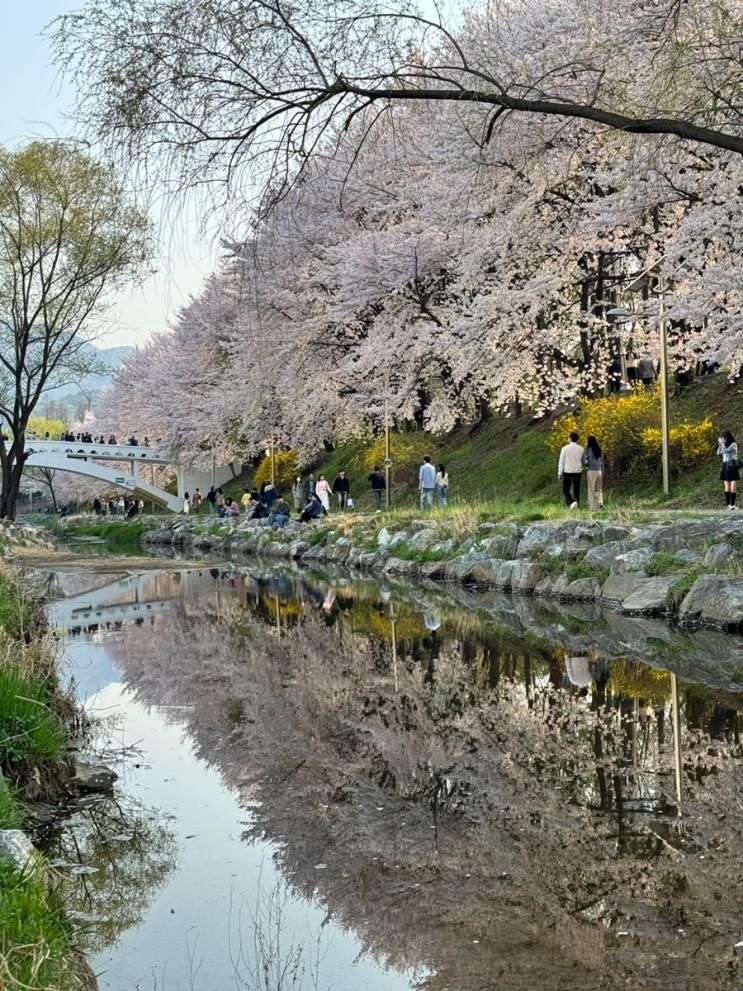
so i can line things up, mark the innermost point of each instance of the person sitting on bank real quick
(280, 515)
(313, 510)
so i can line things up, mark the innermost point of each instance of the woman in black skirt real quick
(729, 473)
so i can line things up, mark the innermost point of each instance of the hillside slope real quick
(508, 458)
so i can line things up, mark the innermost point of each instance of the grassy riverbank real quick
(506, 461)
(37, 948)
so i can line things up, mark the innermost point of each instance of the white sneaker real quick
(573, 505)
(732, 507)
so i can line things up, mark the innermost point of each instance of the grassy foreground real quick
(36, 941)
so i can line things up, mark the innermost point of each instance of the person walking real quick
(426, 483)
(196, 501)
(211, 498)
(569, 470)
(646, 371)
(298, 493)
(220, 502)
(378, 486)
(311, 486)
(186, 504)
(442, 485)
(631, 365)
(322, 491)
(342, 488)
(593, 462)
(727, 448)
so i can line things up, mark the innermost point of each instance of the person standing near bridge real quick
(211, 498)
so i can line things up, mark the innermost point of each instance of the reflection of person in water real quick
(582, 672)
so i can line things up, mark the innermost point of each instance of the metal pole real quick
(273, 461)
(387, 459)
(664, 391)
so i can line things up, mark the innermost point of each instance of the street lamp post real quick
(665, 453)
(663, 373)
(387, 458)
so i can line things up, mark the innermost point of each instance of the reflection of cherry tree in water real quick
(112, 858)
(476, 812)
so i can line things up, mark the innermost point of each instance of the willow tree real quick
(69, 235)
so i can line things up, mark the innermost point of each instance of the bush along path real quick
(38, 946)
(689, 569)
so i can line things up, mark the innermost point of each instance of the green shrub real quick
(29, 731)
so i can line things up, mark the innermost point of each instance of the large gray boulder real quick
(583, 589)
(93, 777)
(637, 594)
(18, 850)
(536, 537)
(525, 576)
(631, 561)
(714, 599)
(719, 555)
(694, 534)
(651, 596)
(603, 555)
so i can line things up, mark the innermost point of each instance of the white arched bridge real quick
(86, 459)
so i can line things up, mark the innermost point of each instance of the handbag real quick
(735, 463)
(349, 502)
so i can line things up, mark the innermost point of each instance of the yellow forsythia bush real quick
(689, 443)
(405, 450)
(628, 429)
(286, 469)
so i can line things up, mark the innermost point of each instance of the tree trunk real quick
(12, 460)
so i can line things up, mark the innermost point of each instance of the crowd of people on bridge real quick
(85, 437)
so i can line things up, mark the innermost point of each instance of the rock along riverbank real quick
(689, 569)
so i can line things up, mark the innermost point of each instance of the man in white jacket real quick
(570, 469)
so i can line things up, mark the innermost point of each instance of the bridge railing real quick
(100, 452)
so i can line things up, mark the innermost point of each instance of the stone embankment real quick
(686, 568)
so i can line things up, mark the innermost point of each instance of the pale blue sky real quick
(34, 104)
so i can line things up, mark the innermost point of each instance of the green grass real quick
(29, 731)
(505, 460)
(664, 563)
(121, 535)
(403, 552)
(17, 615)
(683, 585)
(36, 945)
(10, 813)
(574, 572)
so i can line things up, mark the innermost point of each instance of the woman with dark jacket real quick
(727, 448)
(593, 462)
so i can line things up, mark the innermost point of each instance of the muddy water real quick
(332, 784)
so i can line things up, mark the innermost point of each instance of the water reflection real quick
(497, 793)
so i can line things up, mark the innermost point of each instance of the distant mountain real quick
(69, 402)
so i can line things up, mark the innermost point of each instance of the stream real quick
(328, 783)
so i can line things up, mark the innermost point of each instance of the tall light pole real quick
(663, 372)
(664, 390)
(387, 458)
